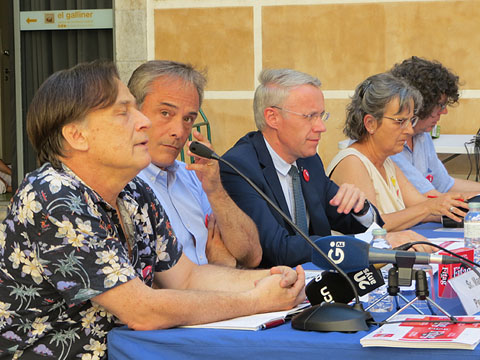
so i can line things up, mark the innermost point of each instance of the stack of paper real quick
(439, 334)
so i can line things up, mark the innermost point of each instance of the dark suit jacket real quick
(281, 245)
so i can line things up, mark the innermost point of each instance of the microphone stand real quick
(396, 277)
(393, 290)
(323, 317)
(421, 292)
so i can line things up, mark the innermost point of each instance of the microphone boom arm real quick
(198, 149)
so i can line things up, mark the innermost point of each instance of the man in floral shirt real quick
(84, 246)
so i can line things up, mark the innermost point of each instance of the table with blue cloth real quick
(282, 342)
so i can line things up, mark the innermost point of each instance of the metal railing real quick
(198, 127)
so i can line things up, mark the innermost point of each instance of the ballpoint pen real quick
(273, 323)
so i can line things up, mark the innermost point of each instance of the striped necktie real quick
(300, 211)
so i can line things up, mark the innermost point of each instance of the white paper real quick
(367, 235)
(467, 287)
(312, 274)
(448, 241)
(252, 322)
(449, 230)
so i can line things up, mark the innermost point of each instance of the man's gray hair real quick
(142, 78)
(372, 96)
(274, 88)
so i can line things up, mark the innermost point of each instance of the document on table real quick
(254, 322)
(449, 230)
(431, 335)
(449, 243)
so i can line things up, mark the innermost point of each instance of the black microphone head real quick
(332, 286)
(202, 150)
(329, 287)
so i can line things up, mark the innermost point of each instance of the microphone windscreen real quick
(349, 253)
(201, 150)
(332, 286)
(329, 287)
(366, 280)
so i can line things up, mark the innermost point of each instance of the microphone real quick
(325, 317)
(352, 254)
(330, 286)
(202, 150)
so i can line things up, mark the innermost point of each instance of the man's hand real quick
(207, 170)
(289, 276)
(401, 237)
(238, 232)
(271, 293)
(348, 197)
(215, 250)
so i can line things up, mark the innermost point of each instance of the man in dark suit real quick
(290, 115)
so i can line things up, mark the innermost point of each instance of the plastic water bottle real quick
(379, 240)
(471, 226)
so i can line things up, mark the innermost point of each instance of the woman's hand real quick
(449, 204)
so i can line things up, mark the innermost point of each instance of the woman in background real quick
(380, 116)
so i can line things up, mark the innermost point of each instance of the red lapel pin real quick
(306, 175)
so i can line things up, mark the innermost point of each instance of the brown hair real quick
(145, 75)
(65, 97)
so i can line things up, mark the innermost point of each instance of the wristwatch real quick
(366, 207)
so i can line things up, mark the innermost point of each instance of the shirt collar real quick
(167, 176)
(96, 196)
(154, 170)
(280, 165)
(417, 138)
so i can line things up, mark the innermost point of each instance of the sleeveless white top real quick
(388, 195)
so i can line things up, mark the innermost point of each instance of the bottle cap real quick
(376, 232)
(474, 205)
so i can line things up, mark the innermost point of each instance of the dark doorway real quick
(46, 51)
(7, 82)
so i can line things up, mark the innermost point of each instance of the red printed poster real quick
(419, 331)
(437, 330)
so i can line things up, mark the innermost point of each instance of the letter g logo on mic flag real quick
(336, 253)
(349, 253)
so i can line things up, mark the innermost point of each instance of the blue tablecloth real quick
(281, 342)
(433, 230)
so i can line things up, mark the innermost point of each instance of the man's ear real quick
(271, 117)
(75, 135)
(370, 123)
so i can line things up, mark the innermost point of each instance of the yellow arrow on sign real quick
(31, 20)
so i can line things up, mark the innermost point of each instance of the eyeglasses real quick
(442, 106)
(310, 117)
(404, 122)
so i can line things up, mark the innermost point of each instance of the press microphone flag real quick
(352, 254)
(330, 286)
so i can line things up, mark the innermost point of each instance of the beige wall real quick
(341, 42)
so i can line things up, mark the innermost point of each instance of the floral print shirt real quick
(60, 245)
